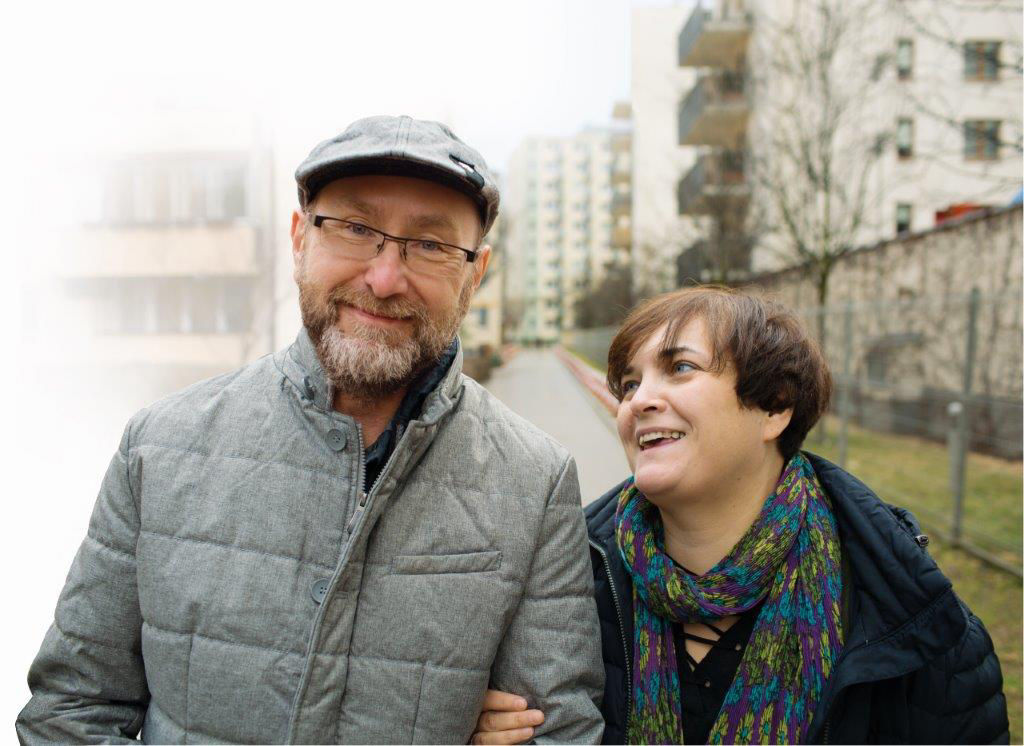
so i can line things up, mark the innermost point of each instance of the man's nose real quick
(386, 273)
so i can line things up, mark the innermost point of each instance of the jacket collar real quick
(905, 613)
(301, 367)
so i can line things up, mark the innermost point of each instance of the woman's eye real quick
(628, 387)
(682, 367)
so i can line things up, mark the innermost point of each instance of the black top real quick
(412, 403)
(702, 687)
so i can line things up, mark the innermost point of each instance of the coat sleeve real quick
(551, 653)
(959, 697)
(88, 683)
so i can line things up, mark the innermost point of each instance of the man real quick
(349, 540)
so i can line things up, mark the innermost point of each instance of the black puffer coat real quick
(917, 666)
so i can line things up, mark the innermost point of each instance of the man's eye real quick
(428, 245)
(356, 229)
(628, 387)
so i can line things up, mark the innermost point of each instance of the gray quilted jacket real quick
(236, 584)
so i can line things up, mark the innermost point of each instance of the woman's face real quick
(685, 432)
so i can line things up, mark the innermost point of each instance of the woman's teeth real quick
(648, 438)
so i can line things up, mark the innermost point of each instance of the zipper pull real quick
(357, 512)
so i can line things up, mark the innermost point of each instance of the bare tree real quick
(609, 302)
(819, 143)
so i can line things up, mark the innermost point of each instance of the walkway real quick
(536, 385)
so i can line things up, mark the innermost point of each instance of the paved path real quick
(536, 385)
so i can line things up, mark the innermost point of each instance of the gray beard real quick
(370, 362)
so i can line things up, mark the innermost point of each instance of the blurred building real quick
(937, 85)
(481, 330)
(159, 277)
(569, 212)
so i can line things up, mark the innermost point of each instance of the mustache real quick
(392, 308)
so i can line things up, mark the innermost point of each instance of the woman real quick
(749, 592)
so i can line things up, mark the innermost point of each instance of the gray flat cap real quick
(401, 146)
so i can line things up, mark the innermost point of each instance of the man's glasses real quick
(358, 241)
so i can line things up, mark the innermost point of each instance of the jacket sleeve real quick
(88, 683)
(551, 652)
(959, 697)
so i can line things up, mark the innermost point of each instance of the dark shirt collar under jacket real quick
(412, 404)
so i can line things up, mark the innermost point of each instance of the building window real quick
(981, 139)
(903, 215)
(905, 138)
(905, 59)
(981, 60)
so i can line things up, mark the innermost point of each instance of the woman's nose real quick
(647, 398)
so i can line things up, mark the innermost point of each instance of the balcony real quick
(229, 249)
(715, 111)
(715, 182)
(714, 40)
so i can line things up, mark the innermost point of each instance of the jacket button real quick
(336, 439)
(319, 589)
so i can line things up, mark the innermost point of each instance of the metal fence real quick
(943, 376)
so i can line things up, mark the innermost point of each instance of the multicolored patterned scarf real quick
(790, 558)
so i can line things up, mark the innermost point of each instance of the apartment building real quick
(160, 276)
(482, 329)
(568, 205)
(927, 98)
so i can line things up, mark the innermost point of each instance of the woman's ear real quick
(775, 423)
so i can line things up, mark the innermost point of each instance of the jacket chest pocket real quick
(446, 609)
(442, 564)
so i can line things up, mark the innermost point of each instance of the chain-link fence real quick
(927, 408)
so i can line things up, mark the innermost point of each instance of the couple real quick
(350, 541)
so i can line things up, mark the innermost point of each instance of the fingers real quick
(519, 735)
(503, 701)
(504, 721)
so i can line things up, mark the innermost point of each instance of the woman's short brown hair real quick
(778, 365)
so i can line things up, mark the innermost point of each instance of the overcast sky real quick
(496, 71)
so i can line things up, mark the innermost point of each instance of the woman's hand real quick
(505, 719)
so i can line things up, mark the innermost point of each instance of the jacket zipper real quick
(363, 496)
(618, 613)
(828, 726)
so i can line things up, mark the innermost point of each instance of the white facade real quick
(559, 208)
(904, 75)
(658, 84)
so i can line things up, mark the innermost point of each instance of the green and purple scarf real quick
(790, 558)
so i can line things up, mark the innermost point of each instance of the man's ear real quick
(775, 424)
(298, 233)
(483, 258)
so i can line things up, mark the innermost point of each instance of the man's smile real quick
(372, 318)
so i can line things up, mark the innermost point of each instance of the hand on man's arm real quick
(505, 720)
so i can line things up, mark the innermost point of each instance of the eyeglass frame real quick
(471, 254)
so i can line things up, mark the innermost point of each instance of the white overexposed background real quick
(87, 78)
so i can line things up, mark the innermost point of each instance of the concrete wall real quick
(906, 338)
